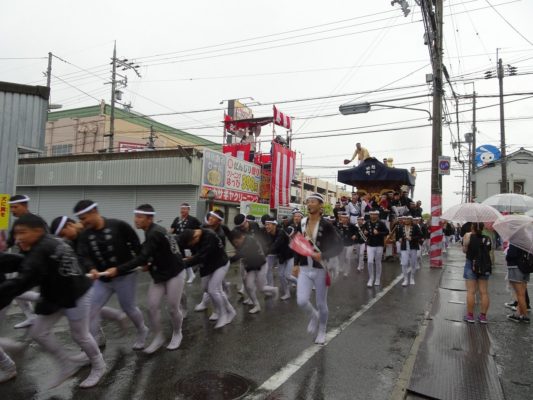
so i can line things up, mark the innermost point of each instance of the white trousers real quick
(78, 318)
(359, 250)
(257, 280)
(346, 259)
(173, 290)
(374, 255)
(308, 278)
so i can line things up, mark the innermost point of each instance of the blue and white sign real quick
(486, 154)
(444, 165)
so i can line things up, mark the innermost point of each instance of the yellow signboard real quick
(4, 211)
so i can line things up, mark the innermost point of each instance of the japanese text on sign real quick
(230, 174)
(4, 211)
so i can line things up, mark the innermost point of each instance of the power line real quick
(508, 23)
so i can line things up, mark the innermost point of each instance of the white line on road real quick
(283, 375)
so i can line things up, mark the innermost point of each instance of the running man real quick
(107, 243)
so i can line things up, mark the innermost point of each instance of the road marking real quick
(283, 375)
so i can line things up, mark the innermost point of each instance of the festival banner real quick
(230, 178)
(4, 211)
(283, 165)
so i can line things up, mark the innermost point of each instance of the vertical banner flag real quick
(283, 165)
(282, 119)
(4, 211)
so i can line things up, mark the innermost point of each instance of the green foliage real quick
(328, 209)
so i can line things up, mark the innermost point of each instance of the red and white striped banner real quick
(282, 119)
(283, 165)
(436, 237)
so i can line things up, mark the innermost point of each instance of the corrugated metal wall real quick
(113, 202)
(145, 171)
(22, 125)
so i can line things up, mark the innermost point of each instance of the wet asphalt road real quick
(362, 362)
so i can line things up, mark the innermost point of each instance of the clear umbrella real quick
(510, 202)
(517, 229)
(471, 212)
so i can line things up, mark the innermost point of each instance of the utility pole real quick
(503, 159)
(473, 167)
(113, 89)
(432, 12)
(115, 93)
(49, 70)
(49, 76)
(151, 141)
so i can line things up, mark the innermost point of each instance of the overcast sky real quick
(193, 55)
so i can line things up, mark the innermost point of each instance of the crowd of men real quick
(72, 268)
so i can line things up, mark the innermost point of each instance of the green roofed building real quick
(86, 129)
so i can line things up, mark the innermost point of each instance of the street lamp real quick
(363, 108)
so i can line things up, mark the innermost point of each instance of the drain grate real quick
(213, 385)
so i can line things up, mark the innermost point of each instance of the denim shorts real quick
(468, 274)
(515, 275)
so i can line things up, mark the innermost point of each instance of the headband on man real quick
(61, 225)
(86, 209)
(144, 212)
(316, 196)
(18, 198)
(214, 214)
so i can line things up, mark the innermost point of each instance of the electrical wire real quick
(508, 23)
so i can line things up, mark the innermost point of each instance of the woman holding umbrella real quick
(477, 271)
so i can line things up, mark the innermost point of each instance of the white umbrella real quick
(471, 212)
(510, 202)
(517, 229)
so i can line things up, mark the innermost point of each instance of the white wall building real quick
(487, 179)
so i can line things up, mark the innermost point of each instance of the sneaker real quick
(405, 282)
(285, 297)
(200, 307)
(511, 305)
(482, 319)
(370, 283)
(518, 318)
(248, 302)
(469, 318)
(412, 280)
(213, 317)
